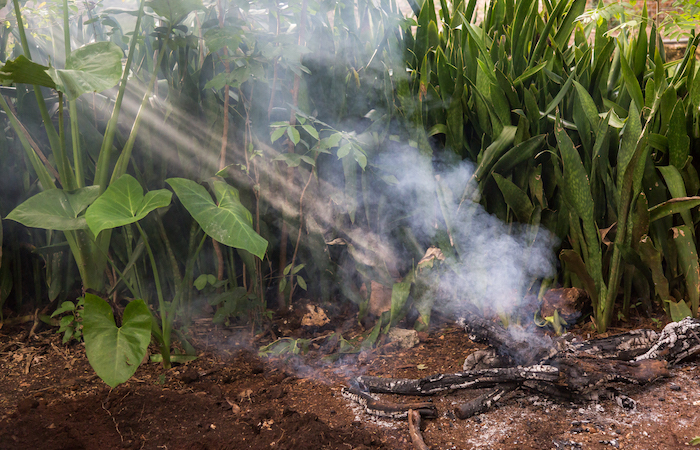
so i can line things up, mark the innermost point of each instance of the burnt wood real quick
(562, 367)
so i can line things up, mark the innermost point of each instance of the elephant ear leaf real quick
(123, 203)
(228, 222)
(55, 209)
(115, 352)
(94, 67)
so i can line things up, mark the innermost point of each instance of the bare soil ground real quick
(229, 398)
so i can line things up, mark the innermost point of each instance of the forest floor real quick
(230, 398)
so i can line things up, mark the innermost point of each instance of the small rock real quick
(316, 317)
(404, 338)
(674, 387)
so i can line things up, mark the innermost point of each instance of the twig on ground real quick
(414, 430)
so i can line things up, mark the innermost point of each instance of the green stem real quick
(166, 324)
(41, 170)
(101, 171)
(62, 164)
(123, 161)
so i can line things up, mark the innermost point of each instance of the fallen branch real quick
(376, 407)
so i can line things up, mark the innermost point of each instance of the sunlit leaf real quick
(94, 67)
(123, 203)
(229, 222)
(55, 209)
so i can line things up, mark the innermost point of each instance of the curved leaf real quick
(55, 209)
(123, 203)
(92, 68)
(229, 222)
(115, 352)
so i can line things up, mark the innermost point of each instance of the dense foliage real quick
(340, 151)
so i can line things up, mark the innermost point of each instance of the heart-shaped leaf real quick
(55, 209)
(123, 203)
(92, 68)
(115, 352)
(229, 222)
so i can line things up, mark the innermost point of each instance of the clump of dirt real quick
(229, 398)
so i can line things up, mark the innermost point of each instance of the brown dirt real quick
(231, 399)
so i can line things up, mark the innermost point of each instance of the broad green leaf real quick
(123, 203)
(55, 209)
(115, 352)
(22, 70)
(679, 310)
(688, 262)
(94, 67)
(229, 222)
(515, 198)
(174, 11)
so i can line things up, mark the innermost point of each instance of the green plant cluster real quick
(594, 139)
(238, 153)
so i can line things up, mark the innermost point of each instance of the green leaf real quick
(631, 84)
(515, 198)
(301, 282)
(652, 258)
(679, 310)
(673, 206)
(22, 70)
(174, 11)
(229, 222)
(678, 140)
(115, 352)
(676, 186)
(311, 130)
(123, 203)
(399, 295)
(65, 306)
(588, 105)
(94, 67)
(293, 134)
(278, 133)
(55, 209)
(560, 96)
(688, 264)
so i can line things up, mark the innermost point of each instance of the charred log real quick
(483, 402)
